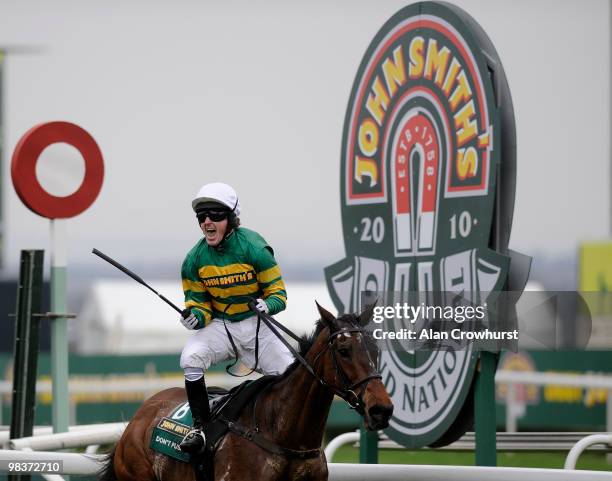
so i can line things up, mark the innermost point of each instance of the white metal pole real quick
(609, 419)
(508, 406)
(59, 327)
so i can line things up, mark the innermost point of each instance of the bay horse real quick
(290, 415)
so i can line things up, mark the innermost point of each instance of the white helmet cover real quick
(218, 192)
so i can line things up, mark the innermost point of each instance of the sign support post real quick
(484, 423)
(368, 446)
(59, 327)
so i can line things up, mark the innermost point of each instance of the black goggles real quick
(215, 215)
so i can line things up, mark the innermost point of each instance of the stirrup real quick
(193, 442)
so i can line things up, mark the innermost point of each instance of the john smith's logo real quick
(418, 171)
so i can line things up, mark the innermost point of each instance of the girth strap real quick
(254, 436)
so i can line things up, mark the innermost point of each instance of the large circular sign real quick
(27, 185)
(421, 149)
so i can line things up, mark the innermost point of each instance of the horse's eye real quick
(344, 352)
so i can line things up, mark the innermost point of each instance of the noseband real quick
(346, 391)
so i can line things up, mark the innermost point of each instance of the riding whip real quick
(136, 277)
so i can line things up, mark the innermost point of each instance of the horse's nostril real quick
(380, 411)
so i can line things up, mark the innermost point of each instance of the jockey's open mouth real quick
(211, 233)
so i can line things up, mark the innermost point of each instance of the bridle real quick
(347, 391)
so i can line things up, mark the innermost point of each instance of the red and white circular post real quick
(56, 208)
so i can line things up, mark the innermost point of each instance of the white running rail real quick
(402, 472)
(91, 464)
(580, 446)
(40, 431)
(340, 440)
(107, 435)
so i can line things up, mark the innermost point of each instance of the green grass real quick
(594, 461)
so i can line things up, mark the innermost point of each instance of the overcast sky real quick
(181, 93)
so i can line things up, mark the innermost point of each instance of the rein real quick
(229, 367)
(347, 391)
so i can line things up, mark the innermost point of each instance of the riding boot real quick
(197, 395)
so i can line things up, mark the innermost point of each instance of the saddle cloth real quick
(171, 430)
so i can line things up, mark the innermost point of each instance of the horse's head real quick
(350, 359)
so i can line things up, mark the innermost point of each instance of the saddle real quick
(229, 405)
(224, 406)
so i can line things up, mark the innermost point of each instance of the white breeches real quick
(211, 345)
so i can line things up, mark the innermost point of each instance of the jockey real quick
(228, 267)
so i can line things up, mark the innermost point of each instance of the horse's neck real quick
(300, 409)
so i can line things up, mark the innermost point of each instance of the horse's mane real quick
(306, 341)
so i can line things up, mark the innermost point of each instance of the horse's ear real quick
(327, 317)
(366, 314)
